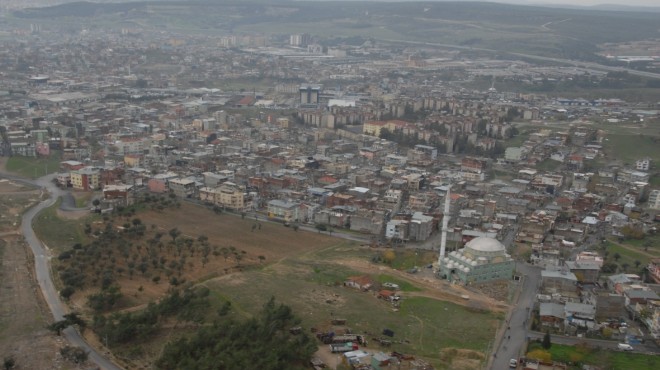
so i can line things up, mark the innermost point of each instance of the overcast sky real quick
(654, 3)
(596, 2)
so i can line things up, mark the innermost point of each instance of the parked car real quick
(624, 347)
(513, 363)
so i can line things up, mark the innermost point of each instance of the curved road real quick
(42, 267)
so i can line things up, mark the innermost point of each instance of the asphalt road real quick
(42, 269)
(511, 338)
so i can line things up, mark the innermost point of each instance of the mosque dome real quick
(484, 248)
(485, 244)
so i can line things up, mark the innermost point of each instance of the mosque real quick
(482, 259)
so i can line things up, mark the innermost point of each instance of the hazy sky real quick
(654, 3)
(596, 2)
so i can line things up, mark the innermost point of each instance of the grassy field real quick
(34, 167)
(403, 285)
(57, 232)
(548, 165)
(312, 290)
(629, 148)
(606, 359)
(629, 257)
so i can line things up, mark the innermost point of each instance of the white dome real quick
(485, 244)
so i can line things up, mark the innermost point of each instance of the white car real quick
(624, 347)
(513, 363)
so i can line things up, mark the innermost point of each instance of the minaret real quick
(445, 222)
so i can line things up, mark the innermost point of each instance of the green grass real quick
(34, 167)
(654, 181)
(59, 233)
(606, 359)
(628, 148)
(403, 285)
(311, 291)
(458, 328)
(650, 241)
(517, 140)
(548, 165)
(627, 256)
(81, 201)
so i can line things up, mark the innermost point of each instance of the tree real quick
(608, 268)
(9, 362)
(74, 354)
(174, 233)
(546, 344)
(58, 326)
(389, 256)
(616, 256)
(637, 263)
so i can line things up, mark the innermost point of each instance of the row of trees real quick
(130, 249)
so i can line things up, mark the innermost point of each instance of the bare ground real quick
(433, 288)
(23, 313)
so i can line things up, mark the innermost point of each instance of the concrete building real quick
(87, 178)
(183, 188)
(654, 199)
(283, 210)
(482, 259)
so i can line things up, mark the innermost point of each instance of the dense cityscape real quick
(488, 210)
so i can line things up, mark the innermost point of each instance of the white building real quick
(654, 199)
(643, 164)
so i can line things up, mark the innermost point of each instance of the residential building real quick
(87, 178)
(283, 210)
(183, 188)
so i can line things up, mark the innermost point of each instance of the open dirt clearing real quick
(272, 241)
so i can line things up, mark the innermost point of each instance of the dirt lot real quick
(273, 241)
(23, 315)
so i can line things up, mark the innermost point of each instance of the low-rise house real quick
(562, 282)
(552, 314)
(609, 306)
(183, 188)
(639, 295)
(362, 282)
(159, 182)
(580, 314)
(283, 210)
(654, 270)
(586, 272)
(620, 282)
(368, 221)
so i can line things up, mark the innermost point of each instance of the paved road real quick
(42, 268)
(511, 339)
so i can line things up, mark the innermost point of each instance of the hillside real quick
(566, 33)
